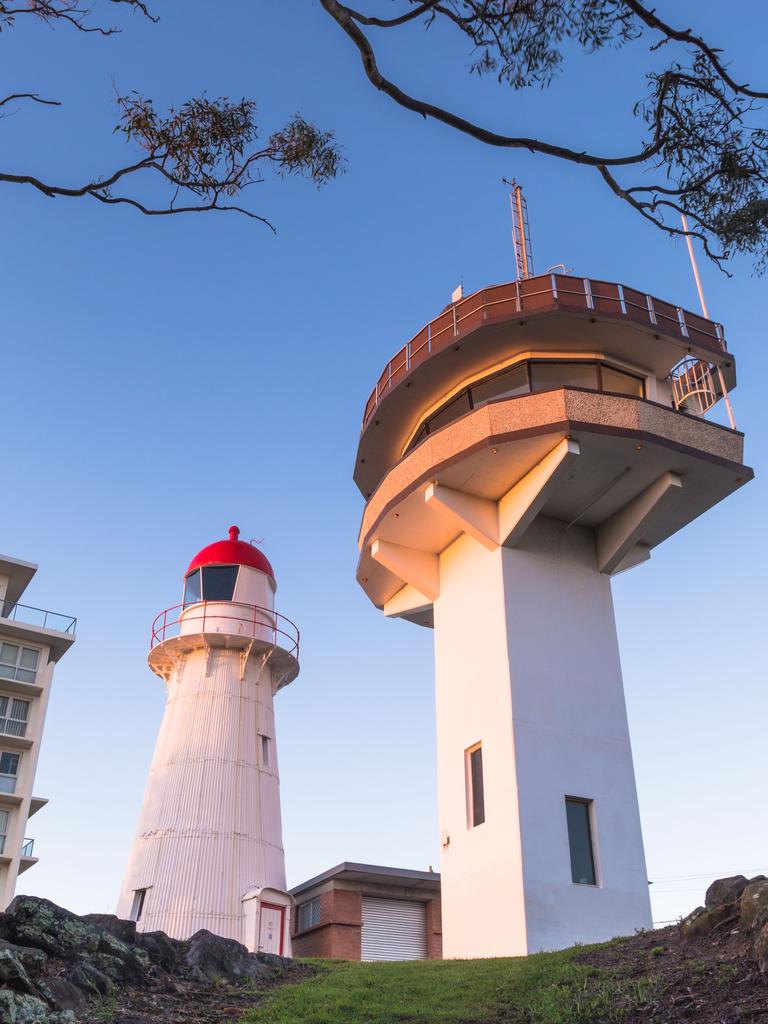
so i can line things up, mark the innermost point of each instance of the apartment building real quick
(32, 640)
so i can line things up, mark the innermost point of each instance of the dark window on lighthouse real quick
(473, 764)
(219, 582)
(192, 592)
(139, 896)
(579, 814)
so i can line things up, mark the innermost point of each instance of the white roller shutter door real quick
(393, 930)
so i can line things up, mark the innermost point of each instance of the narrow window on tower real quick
(265, 758)
(473, 770)
(139, 895)
(578, 813)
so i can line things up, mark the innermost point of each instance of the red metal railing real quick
(536, 295)
(255, 621)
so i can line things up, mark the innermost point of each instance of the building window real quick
(265, 758)
(18, 662)
(13, 716)
(9, 769)
(4, 815)
(139, 896)
(308, 914)
(473, 767)
(579, 816)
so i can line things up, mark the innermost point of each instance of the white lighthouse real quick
(531, 441)
(208, 851)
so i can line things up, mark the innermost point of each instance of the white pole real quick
(700, 290)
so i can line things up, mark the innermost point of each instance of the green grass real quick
(548, 988)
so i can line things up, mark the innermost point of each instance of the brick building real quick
(367, 912)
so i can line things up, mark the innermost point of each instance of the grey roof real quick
(372, 873)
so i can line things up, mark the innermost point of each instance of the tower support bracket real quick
(418, 568)
(620, 534)
(523, 502)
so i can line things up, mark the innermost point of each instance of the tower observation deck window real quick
(531, 376)
(211, 583)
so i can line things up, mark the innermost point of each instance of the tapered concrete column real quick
(527, 665)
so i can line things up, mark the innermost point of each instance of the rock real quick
(33, 959)
(30, 921)
(13, 974)
(21, 1009)
(91, 980)
(760, 948)
(210, 956)
(163, 951)
(725, 890)
(125, 931)
(754, 900)
(702, 920)
(61, 994)
(273, 960)
(119, 960)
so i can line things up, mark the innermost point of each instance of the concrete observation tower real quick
(208, 851)
(531, 441)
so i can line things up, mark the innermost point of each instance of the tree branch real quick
(347, 22)
(651, 19)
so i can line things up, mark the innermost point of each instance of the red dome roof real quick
(232, 552)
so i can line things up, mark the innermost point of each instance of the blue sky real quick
(164, 378)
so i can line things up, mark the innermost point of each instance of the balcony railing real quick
(249, 620)
(27, 847)
(37, 617)
(540, 295)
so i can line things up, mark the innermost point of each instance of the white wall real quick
(210, 828)
(527, 663)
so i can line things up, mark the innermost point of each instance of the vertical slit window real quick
(473, 765)
(579, 814)
(265, 759)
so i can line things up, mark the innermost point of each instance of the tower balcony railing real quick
(37, 617)
(543, 294)
(249, 620)
(27, 849)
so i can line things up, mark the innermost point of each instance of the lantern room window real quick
(211, 583)
(192, 588)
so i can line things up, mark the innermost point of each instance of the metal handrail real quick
(589, 295)
(27, 847)
(29, 614)
(167, 624)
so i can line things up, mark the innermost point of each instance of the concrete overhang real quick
(19, 575)
(623, 475)
(372, 874)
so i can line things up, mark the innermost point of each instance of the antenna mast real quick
(521, 232)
